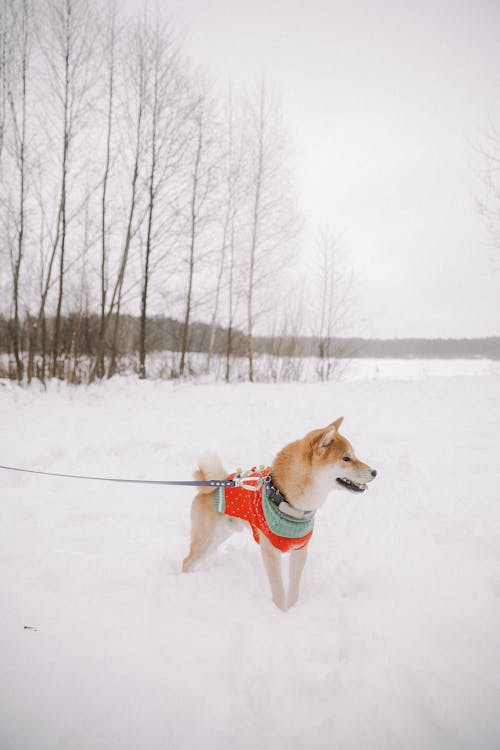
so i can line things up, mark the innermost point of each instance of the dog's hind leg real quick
(272, 563)
(203, 523)
(208, 529)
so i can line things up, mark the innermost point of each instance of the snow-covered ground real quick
(395, 641)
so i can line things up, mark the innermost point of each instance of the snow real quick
(394, 641)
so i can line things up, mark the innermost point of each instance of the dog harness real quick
(255, 500)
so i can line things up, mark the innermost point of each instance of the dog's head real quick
(334, 456)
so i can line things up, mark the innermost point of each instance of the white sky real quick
(383, 100)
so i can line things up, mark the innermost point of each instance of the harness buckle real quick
(253, 482)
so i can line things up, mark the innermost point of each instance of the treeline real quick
(79, 341)
(358, 348)
(459, 348)
(79, 338)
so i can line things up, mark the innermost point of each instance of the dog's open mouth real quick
(350, 485)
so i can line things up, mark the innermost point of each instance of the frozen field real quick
(395, 641)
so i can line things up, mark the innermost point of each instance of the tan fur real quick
(304, 471)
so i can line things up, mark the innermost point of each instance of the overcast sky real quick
(383, 101)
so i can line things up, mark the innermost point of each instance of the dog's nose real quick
(374, 473)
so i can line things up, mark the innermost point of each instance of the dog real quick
(278, 503)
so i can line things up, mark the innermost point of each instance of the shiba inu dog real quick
(277, 502)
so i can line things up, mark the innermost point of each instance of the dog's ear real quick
(327, 438)
(337, 423)
(330, 432)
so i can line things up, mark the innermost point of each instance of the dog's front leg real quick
(272, 563)
(298, 559)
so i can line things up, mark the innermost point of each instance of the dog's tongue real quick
(360, 485)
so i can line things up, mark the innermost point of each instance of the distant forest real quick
(79, 336)
(488, 348)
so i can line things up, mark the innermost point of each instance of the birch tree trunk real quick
(193, 229)
(255, 228)
(273, 221)
(110, 59)
(138, 63)
(21, 27)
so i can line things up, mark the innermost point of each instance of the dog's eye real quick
(346, 458)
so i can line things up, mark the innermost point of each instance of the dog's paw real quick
(280, 602)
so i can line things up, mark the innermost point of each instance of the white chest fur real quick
(316, 492)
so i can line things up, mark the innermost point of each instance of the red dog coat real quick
(284, 532)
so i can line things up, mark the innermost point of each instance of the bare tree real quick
(110, 45)
(258, 179)
(230, 206)
(226, 231)
(17, 96)
(137, 55)
(6, 36)
(80, 292)
(68, 38)
(332, 282)
(272, 214)
(231, 307)
(166, 112)
(201, 184)
(489, 202)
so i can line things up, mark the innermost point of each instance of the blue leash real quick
(193, 483)
(252, 483)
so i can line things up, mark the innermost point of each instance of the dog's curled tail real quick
(209, 467)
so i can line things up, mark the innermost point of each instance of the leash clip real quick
(252, 482)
